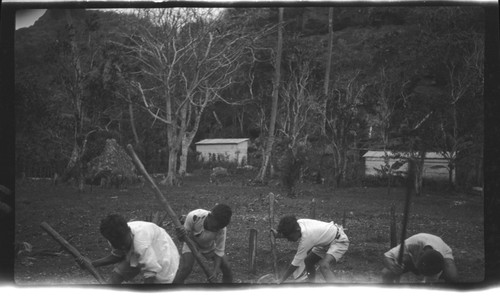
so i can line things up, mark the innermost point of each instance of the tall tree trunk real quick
(343, 173)
(171, 178)
(277, 77)
(72, 163)
(74, 166)
(183, 158)
(172, 148)
(326, 86)
(172, 142)
(188, 136)
(186, 142)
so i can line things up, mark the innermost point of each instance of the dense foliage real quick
(405, 78)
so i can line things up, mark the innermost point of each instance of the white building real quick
(435, 165)
(230, 149)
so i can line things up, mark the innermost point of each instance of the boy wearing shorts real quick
(207, 229)
(138, 247)
(424, 254)
(327, 243)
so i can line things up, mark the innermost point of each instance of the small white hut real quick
(230, 149)
(435, 165)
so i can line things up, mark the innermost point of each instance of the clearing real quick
(457, 218)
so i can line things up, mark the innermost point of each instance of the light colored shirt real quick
(153, 250)
(414, 247)
(205, 240)
(314, 234)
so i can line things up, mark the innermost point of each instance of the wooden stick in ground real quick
(409, 183)
(313, 209)
(252, 250)
(392, 227)
(271, 236)
(73, 251)
(170, 211)
(343, 220)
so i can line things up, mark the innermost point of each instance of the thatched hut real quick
(113, 167)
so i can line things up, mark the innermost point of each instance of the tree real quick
(187, 58)
(465, 80)
(274, 109)
(299, 105)
(75, 90)
(81, 84)
(342, 119)
(456, 49)
(299, 114)
(388, 92)
(328, 68)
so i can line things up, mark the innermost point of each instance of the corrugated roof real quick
(381, 154)
(222, 141)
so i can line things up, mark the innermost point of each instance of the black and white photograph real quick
(264, 145)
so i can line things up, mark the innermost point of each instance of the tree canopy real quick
(402, 78)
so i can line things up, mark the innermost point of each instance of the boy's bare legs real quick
(115, 279)
(450, 273)
(389, 277)
(187, 261)
(310, 261)
(227, 274)
(324, 267)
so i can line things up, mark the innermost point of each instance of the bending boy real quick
(327, 242)
(207, 229)
(423, 254)
(138, 247)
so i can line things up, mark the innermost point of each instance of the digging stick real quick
(409, 187)
(343, 220)
(252, 250)
(170, 211)
(271, 235)
(73, 251)
(313, 209)
(392, 228)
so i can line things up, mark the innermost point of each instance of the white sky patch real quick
(27, 17)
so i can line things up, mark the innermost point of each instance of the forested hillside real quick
(396, 78)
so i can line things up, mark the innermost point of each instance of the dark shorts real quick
(126, 271)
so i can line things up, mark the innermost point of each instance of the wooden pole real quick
(409, 186)
(73, 251)
(271, 236)
(252, 251)
(164, 202)
(344, 220)
(393, 227)
(313, 209)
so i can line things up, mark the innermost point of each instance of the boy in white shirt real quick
(327, 242)
(208, 230)
(423, 254)
(138, 247)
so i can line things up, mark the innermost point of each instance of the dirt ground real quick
(457, 218)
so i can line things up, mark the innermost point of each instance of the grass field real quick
(457, 218)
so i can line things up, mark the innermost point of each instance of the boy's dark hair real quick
(222, 214)
(430, 263)
(288, 225)
(114, 226)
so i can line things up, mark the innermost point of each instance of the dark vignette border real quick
(491, 109)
